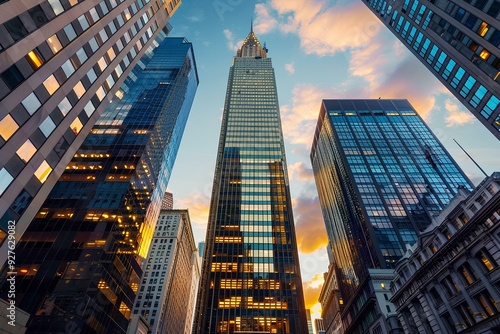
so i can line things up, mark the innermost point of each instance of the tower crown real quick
(251, 47)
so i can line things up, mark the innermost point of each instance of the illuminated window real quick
(102, 64)
(125, 310)
(100, 93)
(7, 127)
(31, 103)
(54, 44)
(76, 126)
(111, 53)
(35, 59)
(483, 29)
(79, 89)
(5, 180)
(51, 84)
(485, 54)
(486, 260)
(43, 171)
(104, 288)
(26, 151)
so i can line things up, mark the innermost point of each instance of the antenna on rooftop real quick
(474, 161)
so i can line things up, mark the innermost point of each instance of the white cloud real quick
(457, 117)
(290, 67)
(264, 22)
(231, 40)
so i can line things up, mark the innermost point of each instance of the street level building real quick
(250, 280)
(380, 174)
(458, 41)
(448, 282)
(61, 63)
(331, 303)
(79, 262)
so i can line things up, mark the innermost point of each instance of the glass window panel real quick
(26, 151)
(91, 75)
(16, 28)
(5, 180)
(79, 89)
(35, 59)
(94, 15)
(68, 68)
(102, 64)
(70, 32)
(12, 76)
(38, 16)
(51, 84)
(100, 94)
(43, 171)
(31, 103)
(76, 126)
(83, 22)
(89, 108)
(65, 106)
(47, 126)
(93, 44)
(56, 6)
(54, 43)
(82, 56)
(7, 127)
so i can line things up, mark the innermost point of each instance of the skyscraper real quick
(458, 42)
(167, 293)
(250, 274)
(79, 261)
(61, 63)
(380, 174)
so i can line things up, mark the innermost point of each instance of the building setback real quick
(79, 261)
(380, 174)
(168, 289)
(250, 278)
(458, 42)
(62, 61)
(448, 281)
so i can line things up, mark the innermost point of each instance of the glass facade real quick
(380, 174)
(79, 261)
(458, 42)
(62, 63)
(250, 278)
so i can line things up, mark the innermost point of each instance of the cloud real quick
(309, 224)
(264, 22)
(299, 171)
(231, 41)
(312, 289)
(290, 67)
(198, 205)
(457, 117)
(196, 15)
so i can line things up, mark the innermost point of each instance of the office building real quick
(309, 322)
(448, 281)
(61, 63)
(319, 325)
(331, 304)
(380, 174)
(458, 42)
(169, 283)
(168, 201)
(250, 278)
(79, 261)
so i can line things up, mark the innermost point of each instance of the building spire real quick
(251, 47)
(251, 24)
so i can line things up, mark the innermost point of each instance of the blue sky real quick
(320, 49)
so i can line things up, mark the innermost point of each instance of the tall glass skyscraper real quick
(61, 63)
(458, 42)
(79, 262)
(380, 174)
(251, 276)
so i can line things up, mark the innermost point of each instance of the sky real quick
(320, 49)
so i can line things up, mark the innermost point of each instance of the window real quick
(47, 126)
(487, 303)
(26, 151)
(76, 126)
(38, 16)
(31, 103)
(468, 274)
(51, 84)
(68, 68)
(490, 106)
(478, 96)
(5, 180)
(79, 89)
(70, 32)
(483, 29)
(12, 77)
(486, 259)
(16, 28)
(35, 59)
(43, 171)
(54, 43)
(7, 127)
(56, 6)
(64, 106)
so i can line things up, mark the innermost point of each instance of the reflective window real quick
(12, 77)
(16, 28)
(51, 84)
(93, 44)
(89, 108)
(82, 55)
(83, 22)
(65, 106)
(5, 180)
(490, 107)
(7, 127)
(43, 171)
(68, 68)
(478, 96)
(47, 126)
(70, 32)
(467, 86)
(38, 16)
(100, 93)
(56, 6)
(458, 76)
(94, 15)
(79, 89)
(26, 151)
(31, 103)
(91, 75)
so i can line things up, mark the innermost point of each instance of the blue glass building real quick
(381, 174)
(458, 41)
(250, 281)
(79, 261)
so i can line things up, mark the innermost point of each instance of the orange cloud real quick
(199, 206)
(299, 171)
(264, 22)
(232, 44)
(312, 289)
(309, 225)
(457, 117)
(290, 68)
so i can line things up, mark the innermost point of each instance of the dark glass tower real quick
(62, 62)
(380, 174)
(458, 41)
(79, 262)
(251, 277)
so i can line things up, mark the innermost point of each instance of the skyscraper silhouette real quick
(250, 277)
